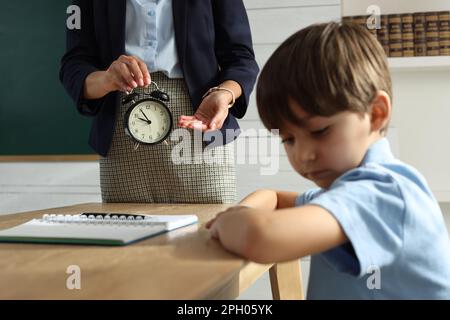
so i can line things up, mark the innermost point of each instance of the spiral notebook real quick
(95, 228)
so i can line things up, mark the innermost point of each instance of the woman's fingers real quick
(134, 69)
(187, 118)
(127, 76)
(146, 74)
(128, 73)
(191, 122)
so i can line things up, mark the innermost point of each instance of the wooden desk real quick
(182, 264)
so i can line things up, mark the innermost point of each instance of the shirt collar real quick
(378, 152)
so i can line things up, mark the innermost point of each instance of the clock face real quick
(149, 121)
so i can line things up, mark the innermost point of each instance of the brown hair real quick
(325, 68)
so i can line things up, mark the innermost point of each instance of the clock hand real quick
(148, 121)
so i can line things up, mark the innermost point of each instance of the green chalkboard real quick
(37, 117)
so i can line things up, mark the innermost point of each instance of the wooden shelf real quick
(420, 63)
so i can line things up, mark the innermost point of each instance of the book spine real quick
(420, 37)
(383, 33)
(408, 35)
(395, 35)
(432, 33)
(444, 33)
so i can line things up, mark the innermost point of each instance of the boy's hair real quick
(325, 68)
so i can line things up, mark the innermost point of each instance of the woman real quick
(199, 52)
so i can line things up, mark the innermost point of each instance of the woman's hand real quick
(213, 110)
(126, 73)
(211, 113)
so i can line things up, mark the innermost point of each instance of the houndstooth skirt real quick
(148, 174)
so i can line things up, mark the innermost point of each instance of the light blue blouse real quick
(150, 35)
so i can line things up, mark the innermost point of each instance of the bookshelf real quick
(360, 8)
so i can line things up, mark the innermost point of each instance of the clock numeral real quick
(136, 130)
(135, 115)
(161, 113)
(133, 123)
(147, 107)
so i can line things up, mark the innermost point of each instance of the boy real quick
(328, 89)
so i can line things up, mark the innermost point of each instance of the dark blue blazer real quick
(213, 42)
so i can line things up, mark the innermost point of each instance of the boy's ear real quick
(381, 111)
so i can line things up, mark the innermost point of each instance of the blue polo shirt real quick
(398, 244)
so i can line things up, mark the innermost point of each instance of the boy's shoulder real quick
(394, 176)
(393, 179)
(380, 166)
(357, 181)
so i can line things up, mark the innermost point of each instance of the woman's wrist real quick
(107, 83)
(96, 85)
(224, 95)
(228, 92)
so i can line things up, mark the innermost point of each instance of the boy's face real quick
(323, 148)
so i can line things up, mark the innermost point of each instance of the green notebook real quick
(115, 229)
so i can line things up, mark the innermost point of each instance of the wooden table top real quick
(182, 264)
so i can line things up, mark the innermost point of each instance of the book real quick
(395, 35)
(115, 229)
(420, 38)
(432, 33)
(444, 33)
(408, 34)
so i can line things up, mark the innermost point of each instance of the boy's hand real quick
(210, 222)
(231, 216)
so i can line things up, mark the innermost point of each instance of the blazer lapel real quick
(116, 20)
(180, 23)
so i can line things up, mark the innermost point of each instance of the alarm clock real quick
(148, 120)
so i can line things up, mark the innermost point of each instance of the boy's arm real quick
(263, 199)
(270, 199)
(281, 235)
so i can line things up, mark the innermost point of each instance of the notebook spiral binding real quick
(101, 219)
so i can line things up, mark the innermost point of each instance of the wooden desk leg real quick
(286, 281)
